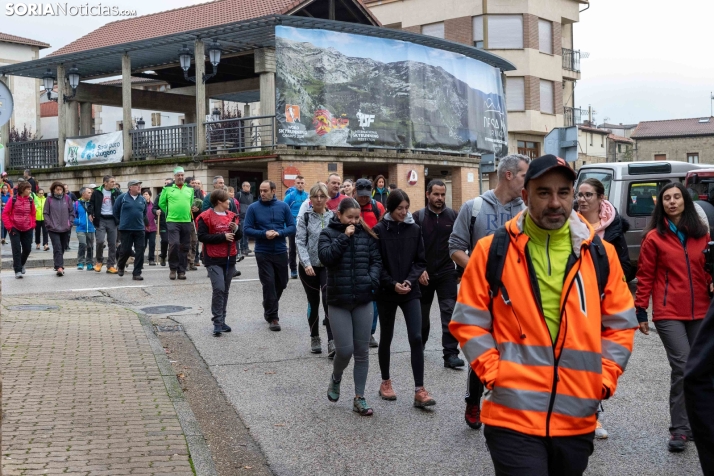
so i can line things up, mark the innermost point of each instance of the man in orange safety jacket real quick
(549, 346)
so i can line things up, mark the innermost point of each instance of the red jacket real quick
(673, 276)
(211, 229)
(19, 213)
(367, 213)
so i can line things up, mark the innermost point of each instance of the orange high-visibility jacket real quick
(535, 386)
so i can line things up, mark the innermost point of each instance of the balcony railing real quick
(34, 154)
(240, 134)
(163, 141)
(573, 116)
(571, 60)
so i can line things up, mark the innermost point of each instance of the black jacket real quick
(435, 231)
(615, 235)
(353, 264)
(402, 250)
(245, 199)
(95, 204)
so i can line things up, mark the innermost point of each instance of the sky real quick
(649, 59)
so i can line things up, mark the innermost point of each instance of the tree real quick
(21, 136)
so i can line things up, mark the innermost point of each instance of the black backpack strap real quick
(375, 209)
(495, 263)
(601, 264)
(420, 217)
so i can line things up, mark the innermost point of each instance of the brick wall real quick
(530, 31)
(461, 189)
(312, 171)
(677, 148)
(398, 176)
(413, 29)
(459, 30)
(532, 86)
(557, 39)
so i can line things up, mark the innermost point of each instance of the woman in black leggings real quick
(403, 261)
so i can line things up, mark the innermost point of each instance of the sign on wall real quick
(344, 90)
(100, 149)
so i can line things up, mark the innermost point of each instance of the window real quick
(433, 29)
(546, 97)
(155, 119)
(693, 158)
(619, 147)
(530, 149)
(505, 32)
(604, 177)
(515, 94)
(545, 36)
(660, 157)
(591, 139)
(602, 141)
(478, 31)
(642, 197)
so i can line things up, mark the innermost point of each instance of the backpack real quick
(497, 259)
(478, 202)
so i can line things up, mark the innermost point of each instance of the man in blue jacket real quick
(269, 221)
(294, 200)
(130, 213)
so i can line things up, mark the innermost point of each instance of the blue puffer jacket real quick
(81, 220)
(294, 199)
(273, 215)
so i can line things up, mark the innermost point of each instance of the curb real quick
(40, 263)
(197, 447)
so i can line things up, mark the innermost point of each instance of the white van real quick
(632, 188)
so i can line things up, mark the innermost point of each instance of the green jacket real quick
(39, 206)
(176, 203)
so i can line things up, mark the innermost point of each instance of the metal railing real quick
(571, 60)
(240, 134)
(573, 116)
(165, 141)
(34, 154)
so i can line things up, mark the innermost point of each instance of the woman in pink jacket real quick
(18, 217)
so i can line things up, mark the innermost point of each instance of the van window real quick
(642, 197)
(603, 176)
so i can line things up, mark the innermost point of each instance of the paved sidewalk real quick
(83, 394)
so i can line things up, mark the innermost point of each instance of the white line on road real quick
(140, 286)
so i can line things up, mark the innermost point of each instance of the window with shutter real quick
(433, 29)
(546, 97)
(515, 94)
(505, 32)
(478, 31)
(545, 36)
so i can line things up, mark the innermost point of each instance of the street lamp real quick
(214, 55)
(140, 124)
(48, 82)
(215, 115)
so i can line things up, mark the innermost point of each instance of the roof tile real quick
(6, 37)
(674, 128)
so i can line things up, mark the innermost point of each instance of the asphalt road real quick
(279, 388)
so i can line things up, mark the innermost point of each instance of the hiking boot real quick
(236, 274)
(600, 432)
(333, 390)
(47, 247)
(423, 399)
(152, 263)
(112, 270)
(225, 327)
(60, 271)
(360, 406)
(293, 274)
(23, 271)
(386, 391)
(80, 267)
(217, 329)
(90, 267)
(373, 342)
(274, 325)
(473, 416)
(452, 361)
(331, 349)
(315, 345)
(677, 443)
(120, 271)
(182, 275)
(18, 275)
(239, 258)
(192, 267)
(137, 278)
(172, 274)
(98, 267)
(162, 261)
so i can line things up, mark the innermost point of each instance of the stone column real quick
(398, 174)
(72, 119)
(200, 63)
(85, 118)
(126, 105)
(61, 114)
(465, 185)
(265, 66)
(5, 135)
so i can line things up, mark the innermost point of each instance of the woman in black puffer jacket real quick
(349, 251)
(403, 262)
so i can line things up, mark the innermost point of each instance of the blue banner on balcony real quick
(100, 149)
(345, 90)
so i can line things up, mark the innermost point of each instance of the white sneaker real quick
(600, 432)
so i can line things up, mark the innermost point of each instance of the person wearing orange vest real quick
(548, 357)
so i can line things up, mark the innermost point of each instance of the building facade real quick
(685, 140)
(536, 36)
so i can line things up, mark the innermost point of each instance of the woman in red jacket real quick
(671, 271)
(18, 217)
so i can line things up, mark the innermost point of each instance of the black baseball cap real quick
(545, 164)
(363, 187)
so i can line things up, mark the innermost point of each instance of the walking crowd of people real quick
(531, 281)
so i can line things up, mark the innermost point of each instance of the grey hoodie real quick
(307, 238)
(492, 216)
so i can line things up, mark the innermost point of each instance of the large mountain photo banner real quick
(344, 90)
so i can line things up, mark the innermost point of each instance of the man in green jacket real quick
(175, 203)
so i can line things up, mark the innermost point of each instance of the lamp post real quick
(215, 115)
(214, 55)
(140, 124)
(48, 82)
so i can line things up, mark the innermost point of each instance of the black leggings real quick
(314, 286)
(412, 317)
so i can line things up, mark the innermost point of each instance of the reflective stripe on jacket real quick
(538, 387)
